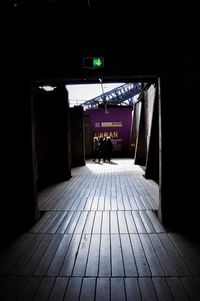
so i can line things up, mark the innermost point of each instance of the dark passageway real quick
(74, 230)
(100, 239)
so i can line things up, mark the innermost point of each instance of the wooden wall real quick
(77, 136)
(52, 137)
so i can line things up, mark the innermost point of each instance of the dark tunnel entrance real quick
(63, 132)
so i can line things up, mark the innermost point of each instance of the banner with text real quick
(115, 122)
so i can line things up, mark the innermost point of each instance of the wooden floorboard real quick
(99, 238)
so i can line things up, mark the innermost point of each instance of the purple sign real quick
(115, 122)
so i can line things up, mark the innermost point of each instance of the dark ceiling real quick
(48, 38)
(49, 4)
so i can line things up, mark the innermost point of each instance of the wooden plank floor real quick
(99, 239)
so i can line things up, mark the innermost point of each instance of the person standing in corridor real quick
(109, 148)
(96, 148)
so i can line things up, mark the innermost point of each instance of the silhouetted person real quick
(101, 148)
(104, 148)
(109, 148)
(96, 148)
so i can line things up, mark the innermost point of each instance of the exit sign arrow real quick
(93, 62)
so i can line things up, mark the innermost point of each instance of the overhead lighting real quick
(47, 88)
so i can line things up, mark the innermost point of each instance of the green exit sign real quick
(93, 62)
